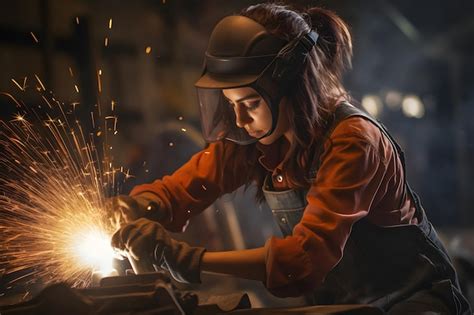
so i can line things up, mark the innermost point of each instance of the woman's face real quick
(253, 114)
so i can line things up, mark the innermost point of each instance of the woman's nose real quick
(242, 118)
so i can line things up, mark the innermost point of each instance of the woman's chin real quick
(267, 140)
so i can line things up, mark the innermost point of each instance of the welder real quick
(275, 114)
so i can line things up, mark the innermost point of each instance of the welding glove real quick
(124, 209)
(147, 239)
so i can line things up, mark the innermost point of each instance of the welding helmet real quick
(242, 53)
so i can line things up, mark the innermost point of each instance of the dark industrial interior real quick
(412, 69)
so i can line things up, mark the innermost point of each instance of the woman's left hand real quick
(144, 238)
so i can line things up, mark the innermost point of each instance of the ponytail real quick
(334, 38)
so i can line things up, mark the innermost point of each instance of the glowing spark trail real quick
(34, 37)
(99, 83)
(53, 187)
(17, 84)
(41, 83)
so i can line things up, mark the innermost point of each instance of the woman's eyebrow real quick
(247, 97)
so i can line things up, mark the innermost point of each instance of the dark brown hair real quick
(318, 88)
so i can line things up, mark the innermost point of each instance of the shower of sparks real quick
(54, 180)
(148, 50)
(110, 24)
(106, 42)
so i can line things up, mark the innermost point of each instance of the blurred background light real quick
(413, 107)
(393, 99)
(372, 104)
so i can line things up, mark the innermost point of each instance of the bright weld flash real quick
(93, 249)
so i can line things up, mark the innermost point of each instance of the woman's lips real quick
(254, 134)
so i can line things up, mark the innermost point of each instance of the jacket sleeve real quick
(196, 184)
(342, 193)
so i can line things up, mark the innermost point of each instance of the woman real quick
(275, 112)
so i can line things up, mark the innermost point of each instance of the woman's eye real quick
(252, 105)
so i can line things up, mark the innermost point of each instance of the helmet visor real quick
(243, 122)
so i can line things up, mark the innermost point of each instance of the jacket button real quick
(279, 178)
(283, 220)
